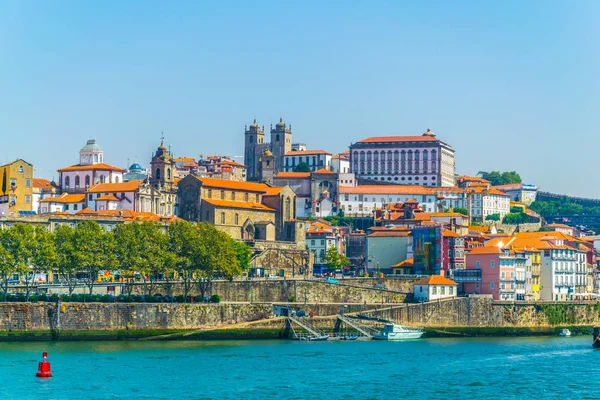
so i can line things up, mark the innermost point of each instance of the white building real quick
(522, 192)
(42, 189)
(316, 159)
(563, 272)
(320, 237)
(365, 199)
(91, 170)
(404, 160)
(66, 202)
(340, 164)
(486, 202)
(434, 287)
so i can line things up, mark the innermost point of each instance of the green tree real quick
(7, 262)
(244, 254)
(515, 218)
(66, 264)
(20, 242)
(516, 209)
(493, 217)
(155, 260)
(94, 251)
(302, 167)
(128, 253)
(500, 178)
(334, 260)
(461, 210)
(44, 257)
(184, 243)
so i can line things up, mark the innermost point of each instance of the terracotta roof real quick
(274, 191)
(248, 205)
(492, 191)
(292, 175)
(324, 171)
(85, 211)
(340, 157)
(406, 263)
(449, 233)
(130, 186)
(306, 153)
(130, 215)
(65, 198)
(447, 214)
(466, 178)
(509, 186)
(107, 197)
(395, 139)
(234, 185)
(185, 159)
(385, 189)
(232, 163)
(435, 280)
(485, 250)
(42, 183)
(93, 167)
(559, 226)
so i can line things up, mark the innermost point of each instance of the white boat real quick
(398, 332)
(565, 332)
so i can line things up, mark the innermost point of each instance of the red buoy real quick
(44, 368)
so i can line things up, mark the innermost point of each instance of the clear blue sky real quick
(511, 85)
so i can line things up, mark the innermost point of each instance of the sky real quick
(510, 85)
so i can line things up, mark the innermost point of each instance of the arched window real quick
(403, 155)
(376, 155)
(77, 181)
(369, 155)
(251, 139)
(116, 179)
(277, 138)
(95, 158)
(157, 175)
(67, 182)
(222, 217)
(237, 219)
(100, 158)
(102, 178)
(355, 158)
(288, 209)
(168, 173)
(20, 169)
(87, 180)
(314, 160)
(362, 156)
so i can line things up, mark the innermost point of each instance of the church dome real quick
(281, 123)
(91, 147)
(135, 167)
(254, 124)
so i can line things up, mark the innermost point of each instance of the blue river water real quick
(495, 368)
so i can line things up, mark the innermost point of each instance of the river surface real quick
(428, 368)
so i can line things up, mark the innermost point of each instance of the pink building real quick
(498, 271)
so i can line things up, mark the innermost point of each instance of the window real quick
(77, 181)
(233, 196)
(491, 284)
(87, 181)
(322, 242)
(492, 264)
(209, 194)
(421, 289)
(503, 275)
(67, 182)
(237, 219)
(27, 182)
(443, 288)
(434, 290)
(451, 290)
(13, 183)
(312, 242)
(66, 207)
(222, 195)
(20, 169)
(222, 217)
(75, 207)
(257, 198)
(28, 199)
(477, 265)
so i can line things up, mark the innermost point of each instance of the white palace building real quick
(404, 160)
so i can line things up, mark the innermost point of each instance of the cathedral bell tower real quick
(267, 167)
(254, 146)
(163, 168)
(281, 143)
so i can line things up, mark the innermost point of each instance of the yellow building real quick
(16, 189)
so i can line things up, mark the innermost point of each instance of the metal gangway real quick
(304, 324)
(353, 323)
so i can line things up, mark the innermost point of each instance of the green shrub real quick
(215, 298)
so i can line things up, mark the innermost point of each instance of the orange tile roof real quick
(480, 229)
(306, 153)
(466, 178)
(107, 197)
(85, 211)
(485, 250)
(390, 233)
(385, 189)
(232, 163)
(248, 205)
(435, 280)
(65, 198)
(42, 183)
(274, 191)
(93, 167)
(484, 191)
(509, 186)
(130, 186)
(234, 185)
(449, 233)
(130, 215)
(447, 214)
(406, 263)
(559, 226)
(292, 175)
(339, 157)
(397, 139)
(324, 171)
(185, 159)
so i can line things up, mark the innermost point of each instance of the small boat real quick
(398, 332)
(565, 332)
(315, 338)
(596, 337)
(352, 337)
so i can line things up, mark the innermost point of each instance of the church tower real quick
(267, 167)
(281, 143)
(163, 168)
(254, 146)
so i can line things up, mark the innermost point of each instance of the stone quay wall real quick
(310, 291)
(483, 312)
(125, 316)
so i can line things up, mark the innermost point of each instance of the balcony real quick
(466, 275)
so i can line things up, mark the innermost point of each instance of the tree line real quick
(192, 254)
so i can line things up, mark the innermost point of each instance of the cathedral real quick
(266, 159)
